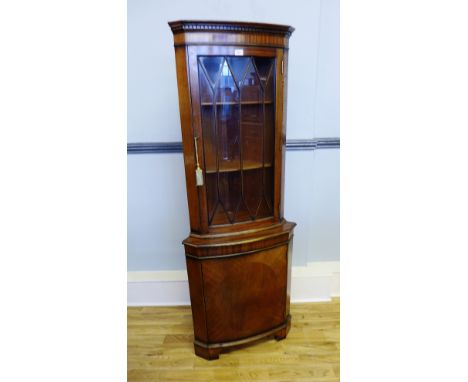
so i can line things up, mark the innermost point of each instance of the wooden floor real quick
(160, 348)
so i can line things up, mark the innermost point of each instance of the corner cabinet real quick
(232, 80)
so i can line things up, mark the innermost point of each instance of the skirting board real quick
(318, 281)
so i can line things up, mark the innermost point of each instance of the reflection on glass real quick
(237, 113)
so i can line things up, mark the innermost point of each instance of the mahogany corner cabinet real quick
(232, 82)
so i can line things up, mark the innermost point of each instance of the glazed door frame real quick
(192, 53)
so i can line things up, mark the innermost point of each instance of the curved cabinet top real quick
(191, 32)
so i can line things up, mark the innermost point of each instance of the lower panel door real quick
(245, 295)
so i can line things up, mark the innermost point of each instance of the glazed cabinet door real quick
(234, 106)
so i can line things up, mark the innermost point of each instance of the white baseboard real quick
(318, 281)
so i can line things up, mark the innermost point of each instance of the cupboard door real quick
(237, 102)
(245, 295)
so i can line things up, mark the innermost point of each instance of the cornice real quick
(181, 26)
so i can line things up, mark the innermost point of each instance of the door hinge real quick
(282, 66)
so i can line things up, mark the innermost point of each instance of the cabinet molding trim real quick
(180, 26)
(176, 147)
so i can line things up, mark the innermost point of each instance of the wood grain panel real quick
(194, 271)
(241, 294)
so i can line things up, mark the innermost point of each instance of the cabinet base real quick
(212, 351)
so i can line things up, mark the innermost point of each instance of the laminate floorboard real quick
(160, 348)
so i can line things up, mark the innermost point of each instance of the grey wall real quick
(157, 205)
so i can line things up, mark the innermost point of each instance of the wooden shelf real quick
(237, 103)
(234, 166)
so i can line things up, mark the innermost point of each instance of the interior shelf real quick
(237, 103)
(235, 166)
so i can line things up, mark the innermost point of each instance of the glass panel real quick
(206, 91)
(208, 125)
(238, 66)
(230, 192)
(227, 121)
(265, 70)
(237, 115)
(252, 139)
(269, 188)
(227, 185)
(269, 139)
(209, 140)
(264, 66)
(226, 88)
(212, 66)
(211, 181)
(269, 87)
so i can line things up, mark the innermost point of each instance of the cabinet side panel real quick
(187, 136)
(195, 277)
(288, 275)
